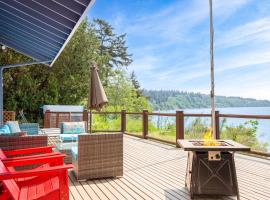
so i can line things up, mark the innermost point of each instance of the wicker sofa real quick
(21, 142)
(17, 140)
(98, 156)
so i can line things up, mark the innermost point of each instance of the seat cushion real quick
(13, 126)
(5, 130)
(74, 152)
(68, 137)
(72, 127)
(10, 184)
(48, 188)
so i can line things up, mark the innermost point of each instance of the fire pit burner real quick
(218, 143)
(211, 169)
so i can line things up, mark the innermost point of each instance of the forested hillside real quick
(171, 100)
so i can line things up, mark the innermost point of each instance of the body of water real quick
(263, 132)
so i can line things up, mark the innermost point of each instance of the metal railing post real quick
(145, 124)
(179, 120)
(217, 125)
(123, 121)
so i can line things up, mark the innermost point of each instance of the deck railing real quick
(54, 119)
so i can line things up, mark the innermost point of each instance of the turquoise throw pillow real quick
(72, 127)
(5, 129)
(13, 126)
(30, 128)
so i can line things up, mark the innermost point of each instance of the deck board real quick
(157, 171)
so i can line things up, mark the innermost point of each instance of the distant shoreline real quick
(175, 100)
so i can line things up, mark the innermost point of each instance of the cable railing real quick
(124, 121)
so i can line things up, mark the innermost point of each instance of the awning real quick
(40, 29)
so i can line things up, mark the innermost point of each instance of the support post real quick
(1, 97)
(91, 121)
(85, 118)
(123, 121)
(145, 124)
(180, 131)
(217, 125)
(2, 85)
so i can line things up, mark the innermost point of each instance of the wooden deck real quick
(156, 171)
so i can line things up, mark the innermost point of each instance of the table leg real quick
(235, 175)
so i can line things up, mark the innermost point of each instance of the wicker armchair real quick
(21, 142)
(98, 156)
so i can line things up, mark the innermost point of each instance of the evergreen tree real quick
(136, 84)
(112, 46)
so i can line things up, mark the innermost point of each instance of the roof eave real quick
(73, 31)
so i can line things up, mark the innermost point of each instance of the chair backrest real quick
(103, 144)
(10, 185)
(73, 127)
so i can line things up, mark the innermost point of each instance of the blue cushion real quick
(68, 137)
(13, 126)
(74, 152)
(30, 128)
(72, 127)
(5, 129)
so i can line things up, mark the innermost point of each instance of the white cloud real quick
(255, 31)
(144, 63)
(171, 26)
(174, 22)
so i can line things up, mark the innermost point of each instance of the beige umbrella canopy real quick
(97, 97)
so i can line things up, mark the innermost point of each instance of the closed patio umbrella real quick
(97, 97)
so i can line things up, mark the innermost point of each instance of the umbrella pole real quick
(213, 117)
(90, 128)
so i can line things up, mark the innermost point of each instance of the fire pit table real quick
(211, 168)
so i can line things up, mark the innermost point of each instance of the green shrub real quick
(245, 134)
(196, 129)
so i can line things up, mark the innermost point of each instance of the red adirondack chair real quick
(21, 153)
(37, 163)
(50, 183)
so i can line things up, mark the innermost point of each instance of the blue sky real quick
(169, 40)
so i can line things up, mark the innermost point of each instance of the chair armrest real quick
(30, 157)
(56, 160)
(46, 149)
(35, 172)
